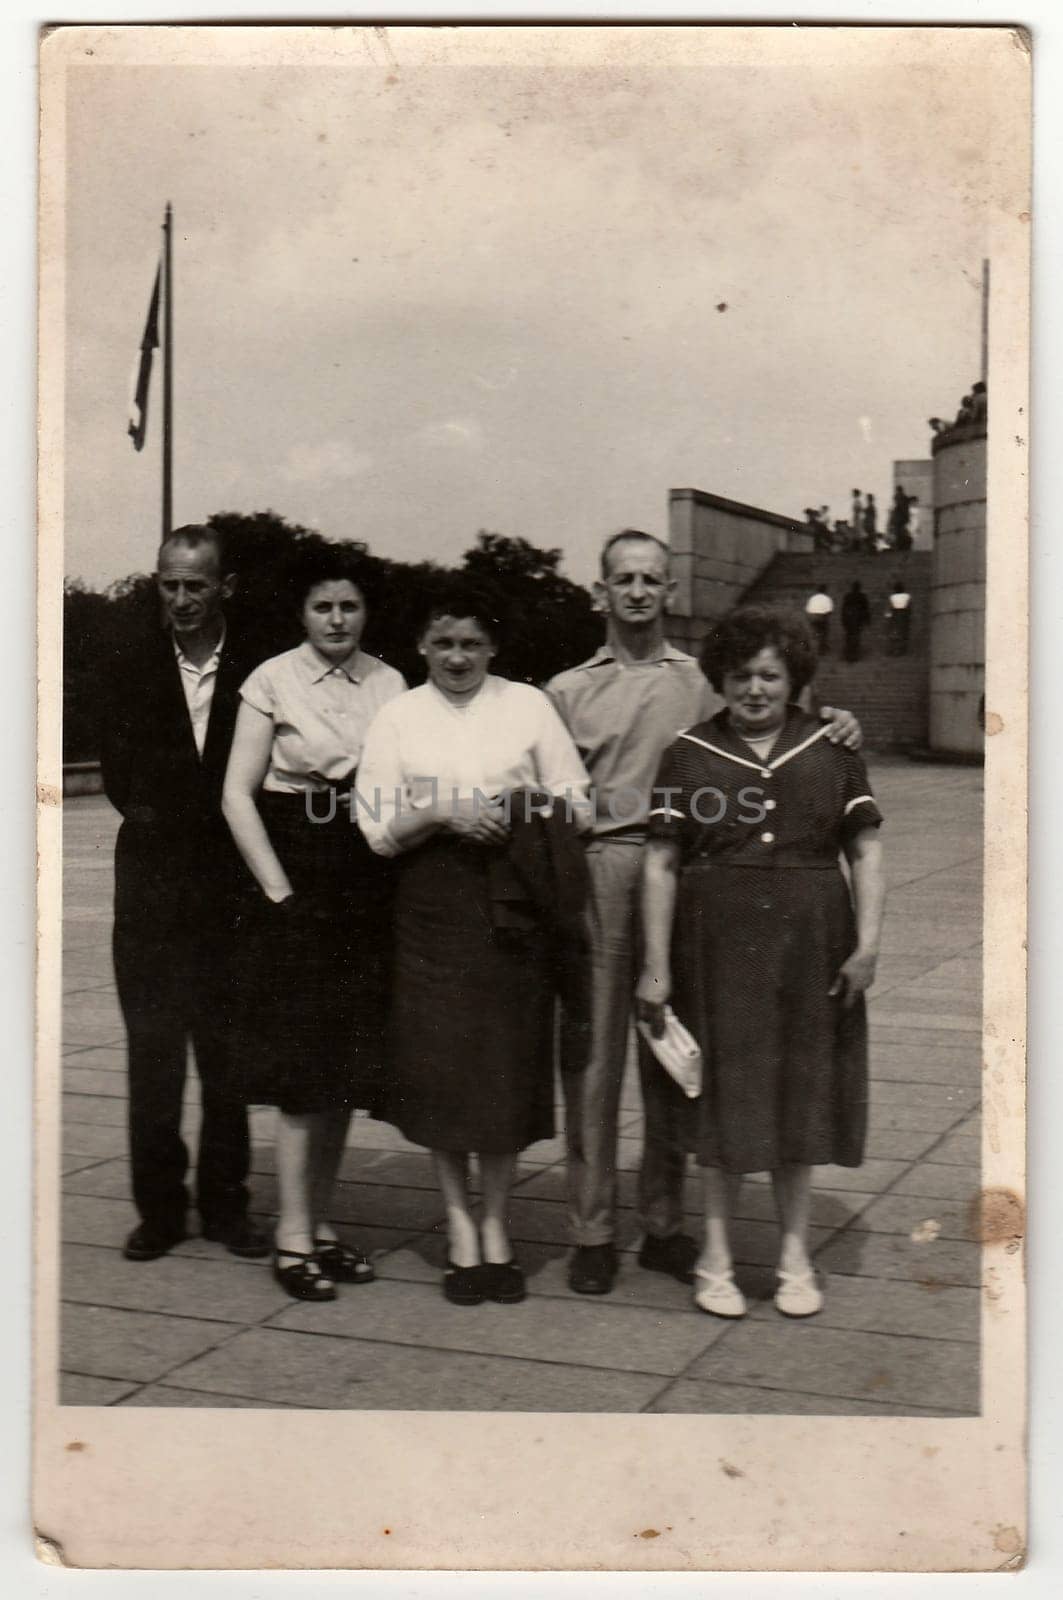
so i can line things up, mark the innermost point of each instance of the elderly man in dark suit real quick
(170, 714)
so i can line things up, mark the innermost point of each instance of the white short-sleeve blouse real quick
(421, 748)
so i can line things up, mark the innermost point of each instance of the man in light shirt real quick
(170, 709)
(623, 707)
(899, 615)
(818, 608)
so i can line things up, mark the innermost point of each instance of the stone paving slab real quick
(936, 1264)
(78, 1389)
(570, 1331)
(903, 1213)
(103, 1342)
(209, 1290)
(890, 1307)
(960, 1149)
(697, 1396)
(271, 1363)
(162, 1394)
(93, 1139)
(103, 1110)
(859, 1365)
(942, 1180)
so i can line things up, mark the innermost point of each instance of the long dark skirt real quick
(755, 954)
(310, 986)
(472, 1012)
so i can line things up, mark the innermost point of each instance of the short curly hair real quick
(459, 596)
(748, 630)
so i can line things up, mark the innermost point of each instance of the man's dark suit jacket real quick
(175, 861)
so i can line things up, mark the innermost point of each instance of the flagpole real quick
(985, 321)
(167, 377)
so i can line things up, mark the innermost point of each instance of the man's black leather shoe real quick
(677, 1255)
(146, 1243)
(593, 1269)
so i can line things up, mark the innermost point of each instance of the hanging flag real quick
(138, 412)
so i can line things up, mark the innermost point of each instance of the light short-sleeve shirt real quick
(422, 749)
(320, 714)
(819, 605)
(622, 716)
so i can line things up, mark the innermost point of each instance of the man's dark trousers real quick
(178, 888)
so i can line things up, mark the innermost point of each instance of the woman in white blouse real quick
(311, 973)
(471, 1056)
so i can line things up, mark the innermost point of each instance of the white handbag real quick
(677, 1051)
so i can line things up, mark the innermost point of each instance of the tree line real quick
(550, 620)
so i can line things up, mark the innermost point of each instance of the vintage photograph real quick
(520, 504)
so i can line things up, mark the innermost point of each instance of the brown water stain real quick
(996, 1216)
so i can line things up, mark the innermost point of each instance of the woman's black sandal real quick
(503, 1282)
(463, 1286)
(305, 1281)
(342, 1264)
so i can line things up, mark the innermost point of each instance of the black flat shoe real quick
(304, 1281)
(503, 1281)
(593, 1269)
(342, 1264)
(146, 1243)
(463, 1286)
(239, 1236)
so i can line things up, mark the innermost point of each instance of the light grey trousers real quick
(592, 1097)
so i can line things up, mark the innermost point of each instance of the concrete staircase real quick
(890, 694)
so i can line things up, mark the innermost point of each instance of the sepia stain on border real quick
(1007, 1539)
(994, 723)
(997, 1216)
(649, 1533)
(47, 794)
(730, 1470)
(76, 1444)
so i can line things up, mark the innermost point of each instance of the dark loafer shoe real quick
(677, 1255)
(463, 1286)
(239, 1236)
(146, 1243)
(593, 1269)
(503, 1281)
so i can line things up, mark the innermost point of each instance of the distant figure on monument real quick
(899, 616)
(900, 512)
(856, 615)
(818, 609)
(916, 523)
(856, 521)
(870, 525)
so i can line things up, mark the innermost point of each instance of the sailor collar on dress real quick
(354, 667)
(733, 747)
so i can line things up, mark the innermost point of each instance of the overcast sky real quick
(416, 301)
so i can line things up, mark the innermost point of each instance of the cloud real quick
(329, 460)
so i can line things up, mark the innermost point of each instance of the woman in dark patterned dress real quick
(752, 934)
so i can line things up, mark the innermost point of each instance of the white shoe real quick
(717, 1292)
(798, 1294)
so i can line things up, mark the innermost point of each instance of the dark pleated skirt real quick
(755, 954)
(471, 1036)
(310, 989)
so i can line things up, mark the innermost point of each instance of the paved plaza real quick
(899, 1332)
